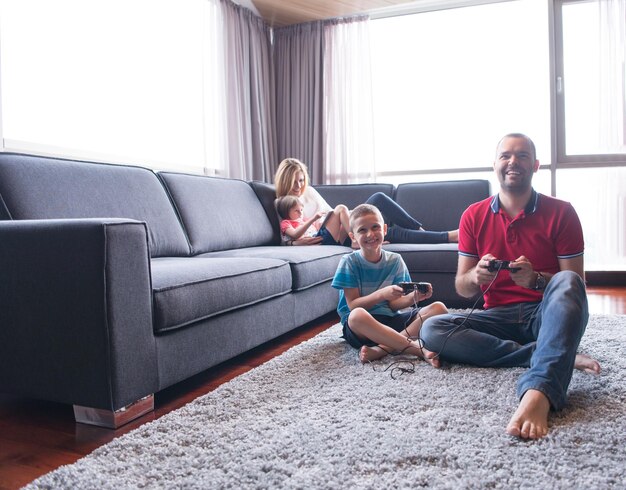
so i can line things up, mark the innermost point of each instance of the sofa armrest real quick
(76, 311)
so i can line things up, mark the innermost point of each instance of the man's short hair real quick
(364, 210)
(519, 135)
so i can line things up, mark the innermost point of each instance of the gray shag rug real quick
(315, 417)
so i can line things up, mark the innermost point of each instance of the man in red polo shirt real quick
(535, 305)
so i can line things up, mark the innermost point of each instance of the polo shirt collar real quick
(530, 208)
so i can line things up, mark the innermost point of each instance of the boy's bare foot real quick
(530, 420)
(453, 236)
(424, 354)
(368, 354)
(587, 364)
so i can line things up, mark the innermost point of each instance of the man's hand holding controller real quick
(520, 269)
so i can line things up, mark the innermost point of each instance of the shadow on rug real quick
(315, 417)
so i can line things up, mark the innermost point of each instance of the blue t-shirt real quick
(356, 272)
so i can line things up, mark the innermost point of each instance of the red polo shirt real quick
(548, 229)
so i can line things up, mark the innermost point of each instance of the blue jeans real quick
(401, 226)
(541, 336)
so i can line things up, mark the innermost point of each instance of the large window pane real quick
(599, 197)
(116, 79)
(594, 78)
(448, 84)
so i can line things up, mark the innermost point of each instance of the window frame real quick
(560, 158)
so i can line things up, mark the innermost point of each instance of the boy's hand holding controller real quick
(391, 293)
(421, 290)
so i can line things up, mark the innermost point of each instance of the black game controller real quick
(498, 265)
(409, 287)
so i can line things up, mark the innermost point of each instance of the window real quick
(599, 197)
(447, 82)
(591, 81)
(591, 115)
(113, 80)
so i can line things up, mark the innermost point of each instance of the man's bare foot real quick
(453, 236)
(587, 364)
(368, 354)
(530, 420)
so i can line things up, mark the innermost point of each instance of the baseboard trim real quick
(605, 278)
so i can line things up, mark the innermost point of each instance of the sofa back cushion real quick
(352, 194)
(33, 187)
(266, 193)
(439, 205)
(217, 213)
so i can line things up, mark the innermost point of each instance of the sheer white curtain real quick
(348, 119)
(240, 129)
(612, 17)
(214, 82)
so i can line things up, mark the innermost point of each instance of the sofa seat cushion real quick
(441, 257)
(188, 289)
(310, 265)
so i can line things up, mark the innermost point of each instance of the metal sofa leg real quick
(114, 419)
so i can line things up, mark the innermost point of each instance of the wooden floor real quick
(36, 437)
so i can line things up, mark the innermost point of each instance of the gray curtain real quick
(250, 103)
(299, 63)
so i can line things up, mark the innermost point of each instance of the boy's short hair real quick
(284, 205)
(364, 210)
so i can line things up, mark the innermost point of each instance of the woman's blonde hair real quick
(286, 176)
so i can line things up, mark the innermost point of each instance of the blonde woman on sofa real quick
(292, 178)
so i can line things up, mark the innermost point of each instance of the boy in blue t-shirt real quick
(369, 297)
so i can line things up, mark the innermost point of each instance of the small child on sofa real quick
(293, 225)
(370, 298)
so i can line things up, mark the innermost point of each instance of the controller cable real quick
(404, 366)
(482, 296)
(397, 366)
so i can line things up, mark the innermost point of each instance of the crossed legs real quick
(366, 327)
(543, 338)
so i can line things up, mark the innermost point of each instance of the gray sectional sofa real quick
(117, 282)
